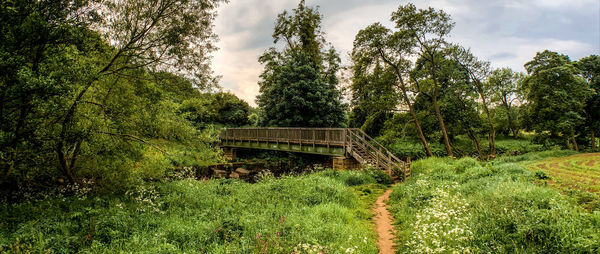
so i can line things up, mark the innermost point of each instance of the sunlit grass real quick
(328, 210)
(489, 207)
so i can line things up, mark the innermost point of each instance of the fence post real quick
(345, 137)
(314, 139)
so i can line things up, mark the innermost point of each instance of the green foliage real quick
(298, 86)
(463, 145)
(464, 205)
(373, 95)
(555, 95)
(542, 175)
(217, 216)
(379, 176)
(216, 108)
(590, 69)
(535, 156)
(102, 115)
(507, 87)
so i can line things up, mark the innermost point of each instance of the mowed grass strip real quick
(581, 171)
(576, 175)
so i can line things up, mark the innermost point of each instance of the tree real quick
(394, 49)
(38, 37)
(506, 86)
(157, 35)
(478, 72)
(459, 102)
(298, 86)
(215, 108)
(555, 96)
(428, 29)
(111, 47)
(590, 70)
(373, 95)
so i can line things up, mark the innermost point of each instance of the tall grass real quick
(324, 211)
(468, 206)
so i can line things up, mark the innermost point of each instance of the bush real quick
(379, 176)
(542, 175)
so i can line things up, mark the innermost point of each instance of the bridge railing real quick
(325, 136)
(347, 138)
(381, 155)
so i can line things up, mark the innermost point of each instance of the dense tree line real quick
(87, 86)
(410, 82)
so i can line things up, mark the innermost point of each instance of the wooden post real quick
(327, 140)
(314, 139)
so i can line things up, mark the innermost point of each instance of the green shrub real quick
(542, 175)
(379, 176)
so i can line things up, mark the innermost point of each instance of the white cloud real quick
(506, 32)
(515, 52)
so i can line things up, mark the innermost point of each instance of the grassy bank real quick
(328, 210)
(468, 206)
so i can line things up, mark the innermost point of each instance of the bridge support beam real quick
(230, 153)
(345, 163)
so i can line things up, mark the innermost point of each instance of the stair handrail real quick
(375, 153)
(374, 148)
(380, 145)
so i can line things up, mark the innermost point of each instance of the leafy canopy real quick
(298, 86)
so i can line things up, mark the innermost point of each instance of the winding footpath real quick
(384, 224)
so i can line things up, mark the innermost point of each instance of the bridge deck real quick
(325, 141)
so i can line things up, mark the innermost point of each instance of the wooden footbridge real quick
(346, 142)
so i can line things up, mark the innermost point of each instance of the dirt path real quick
(384, 224)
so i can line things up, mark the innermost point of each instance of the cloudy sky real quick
(506, 32)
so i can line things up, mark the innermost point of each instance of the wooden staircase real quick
(367, 151)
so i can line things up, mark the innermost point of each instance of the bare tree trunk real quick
(492, 134)
(438, 114)
(511, 122)
(569, 143)
(593, 140)
(575, 143)
(417, 125)
(409, 104)
(476, 142)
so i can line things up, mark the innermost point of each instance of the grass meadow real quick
(489, 207)
(327, 211)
